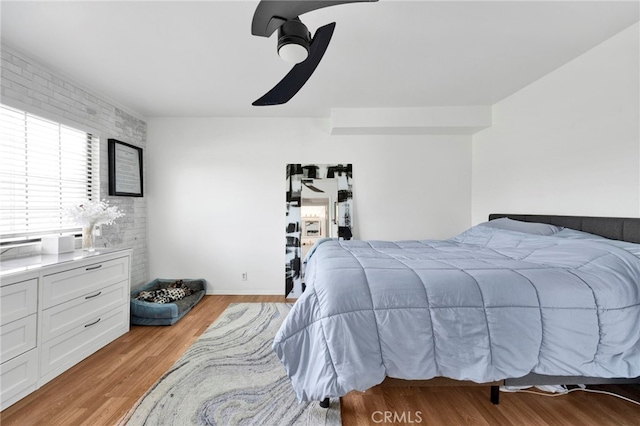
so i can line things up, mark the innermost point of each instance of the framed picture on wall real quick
(125, 169)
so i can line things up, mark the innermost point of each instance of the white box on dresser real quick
(60, 309)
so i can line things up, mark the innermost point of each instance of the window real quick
(44, 167)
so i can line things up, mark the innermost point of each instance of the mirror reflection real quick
(317, 217)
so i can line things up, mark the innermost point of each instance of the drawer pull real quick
(93, 267)
(93, 323)
(93, 295)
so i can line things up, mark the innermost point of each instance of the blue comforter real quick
(486, 305)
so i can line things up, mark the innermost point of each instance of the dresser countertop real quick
(28, 263)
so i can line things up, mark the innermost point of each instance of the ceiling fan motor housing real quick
(293, 41)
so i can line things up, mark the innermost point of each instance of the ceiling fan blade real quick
(300, 73)
(271, 14)
(314, 189)
(308, 184)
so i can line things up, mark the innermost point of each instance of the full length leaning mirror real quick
(319, 204)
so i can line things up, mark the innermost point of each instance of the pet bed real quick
(149, 313)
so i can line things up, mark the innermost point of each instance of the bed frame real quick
(616, 228)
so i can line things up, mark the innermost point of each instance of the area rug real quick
(231, 376)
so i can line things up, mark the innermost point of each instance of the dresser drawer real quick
(82, 310)
(64, 286)
(68, 349)
(18, 377)
(18, 300)
(17, 337)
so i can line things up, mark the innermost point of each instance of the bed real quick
(520, 299)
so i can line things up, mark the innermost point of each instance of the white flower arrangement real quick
(93, 213)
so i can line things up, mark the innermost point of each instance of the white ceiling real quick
(179, 58)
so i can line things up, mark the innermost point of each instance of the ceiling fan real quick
(309, 184)
(294, 42)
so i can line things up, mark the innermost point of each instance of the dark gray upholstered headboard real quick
(616, 228)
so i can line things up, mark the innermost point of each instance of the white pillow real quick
(526, 227)
(632, 248)
(573, 234)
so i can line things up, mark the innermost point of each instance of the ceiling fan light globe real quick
(293, 53)
(293, 41)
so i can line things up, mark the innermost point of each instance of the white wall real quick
(216, 193)
(31, 87)
(568, 143)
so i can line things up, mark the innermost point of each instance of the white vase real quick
(88, 238)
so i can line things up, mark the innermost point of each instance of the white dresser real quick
(57, 310)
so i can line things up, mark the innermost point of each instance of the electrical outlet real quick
(244, 276)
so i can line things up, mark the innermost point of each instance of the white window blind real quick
(44, 167)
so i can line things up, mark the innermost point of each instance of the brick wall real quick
(29, 86)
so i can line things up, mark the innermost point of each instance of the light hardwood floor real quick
(102, 388)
